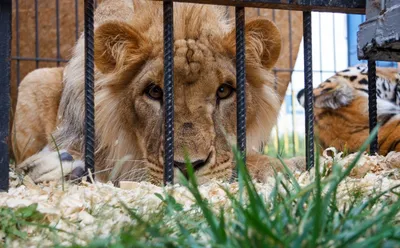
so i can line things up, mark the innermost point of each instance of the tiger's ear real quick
(263, 42)
(300, 97)
(118, 45)
(333, 95)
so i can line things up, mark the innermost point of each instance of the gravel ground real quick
(86, 211)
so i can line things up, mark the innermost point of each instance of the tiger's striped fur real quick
(341, 117)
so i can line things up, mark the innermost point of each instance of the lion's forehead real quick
(193, 57)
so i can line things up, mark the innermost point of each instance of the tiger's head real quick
(346, 85)
(333, 93)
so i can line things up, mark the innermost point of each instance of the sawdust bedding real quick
(94, 210)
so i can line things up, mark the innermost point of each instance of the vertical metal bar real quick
(373, 147)
(277, 139)
(58, 31)
(37, 33)
(240, 81)
(334, 42)
(76, 20)
(5, 55)
(17, 39)
(308, 88)
(168, 91)
(320, 48)
(89, 86)
(273, 15)
(291, 83)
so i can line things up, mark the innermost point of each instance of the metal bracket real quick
(379, 36)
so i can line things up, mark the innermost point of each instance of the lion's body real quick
(39, 97)
(341, 115)
(129, 123)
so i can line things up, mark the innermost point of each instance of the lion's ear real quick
(117, 45)
(263, 42)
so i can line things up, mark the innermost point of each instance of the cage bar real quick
(5, 48)
(168, 92)
(291, 84)
(18, 58)
(58, 31)
(89, 86)
(17, 39)
(321, 78)
(372, 106)
(339, 6)
(308, 89)
(240, 82)
(37, 45)
(334, 42)
(76, 20)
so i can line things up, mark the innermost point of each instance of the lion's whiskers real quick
(134, 172)
(137, 174)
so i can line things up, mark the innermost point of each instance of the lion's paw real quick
(47, 166)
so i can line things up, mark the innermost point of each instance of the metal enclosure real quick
(379, 35)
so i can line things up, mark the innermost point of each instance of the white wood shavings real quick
(86, 211)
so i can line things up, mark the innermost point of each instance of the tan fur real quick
(347, 128)
(341, 115)
(129, 125)
(36, 111)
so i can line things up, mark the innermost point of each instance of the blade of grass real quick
(319, 209)
(192, 186)
(290, 174)
(59, 157)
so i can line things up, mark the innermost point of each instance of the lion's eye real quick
(224, 91)
(154, 92)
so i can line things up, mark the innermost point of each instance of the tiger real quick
(341, 116)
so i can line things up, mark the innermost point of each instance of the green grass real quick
(294, 216)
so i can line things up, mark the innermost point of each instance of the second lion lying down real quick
(129, 97)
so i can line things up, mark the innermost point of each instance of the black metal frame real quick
(308, 89)
(372, 106)
(89, 86)
(5, 51)
(339, 6)
(168, 92)
(353, 6)
(240, 83)
(378, 37)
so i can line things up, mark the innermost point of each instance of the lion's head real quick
(129, 90)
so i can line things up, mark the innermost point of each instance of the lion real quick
(129, 97)
(40, 89)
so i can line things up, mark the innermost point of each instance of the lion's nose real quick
(196, 165)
